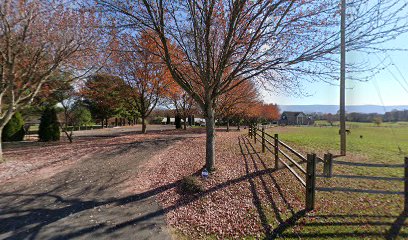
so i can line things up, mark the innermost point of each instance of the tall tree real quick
(143, 71)
(277, 41)
(179, 100)
(103, 94)
(236, 102)
(270, 112)
(37, 39)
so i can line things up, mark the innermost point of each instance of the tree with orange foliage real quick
(277, 42)
(137, 62)
(38, 40)
(270, 112)
(179, 99)
(262, 112)
(236, 102)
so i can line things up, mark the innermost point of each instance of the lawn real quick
(387, 144)
(358, 204)
(247, 198)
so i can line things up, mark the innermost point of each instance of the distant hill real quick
(334, 108)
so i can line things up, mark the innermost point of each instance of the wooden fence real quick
(278, 148)
(281, 151)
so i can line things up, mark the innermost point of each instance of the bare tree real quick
(37, 40)
(65, 94)
(277, 42)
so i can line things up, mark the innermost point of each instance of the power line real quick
(392, 74)
(397, 68)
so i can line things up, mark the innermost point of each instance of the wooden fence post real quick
(406, 186)
(255, 134)
(310, 181)
(263, 139)
(276, 150)
(328, 165)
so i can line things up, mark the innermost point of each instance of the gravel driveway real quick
(87, 200)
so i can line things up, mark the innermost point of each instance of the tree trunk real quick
(143, 125)
(185, 124)
(177, 121)
(69, 135)
(227, 124)
(238, 125)
(210, 140)
(1, 146)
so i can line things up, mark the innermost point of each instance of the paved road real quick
(86, 200)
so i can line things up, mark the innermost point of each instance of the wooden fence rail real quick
(279, 147)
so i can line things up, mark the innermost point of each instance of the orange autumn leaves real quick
(138, 60)
(264, 111)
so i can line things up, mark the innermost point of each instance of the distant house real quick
(295, 118)
(172, 121)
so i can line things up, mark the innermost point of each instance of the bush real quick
(157, 120)
(377, 121)
(14, 129)
(82, 116)
(191, 185)
(49, 126)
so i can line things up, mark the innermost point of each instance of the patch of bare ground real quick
(246, 196)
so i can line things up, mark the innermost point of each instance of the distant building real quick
(197, 121)
(295, 118)
(172, 121)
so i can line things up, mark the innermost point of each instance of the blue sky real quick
(359, 93)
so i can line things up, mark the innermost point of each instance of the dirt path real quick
(86, 201)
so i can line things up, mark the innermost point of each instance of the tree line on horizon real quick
(392, 116)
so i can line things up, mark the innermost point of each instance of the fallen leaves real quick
(226, 208)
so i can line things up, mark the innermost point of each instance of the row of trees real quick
(209, 48)
(220, 45)
(40, 40)
(107, 96)
(393, 116)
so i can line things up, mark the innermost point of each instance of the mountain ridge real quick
(322, 108)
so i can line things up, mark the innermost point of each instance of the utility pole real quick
(343, 79)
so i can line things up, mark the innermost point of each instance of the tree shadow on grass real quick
(283, 224)
(396, 227)
(353, 226)
(346, 222)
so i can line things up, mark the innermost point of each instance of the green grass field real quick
(386, 144)
(358, 205)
